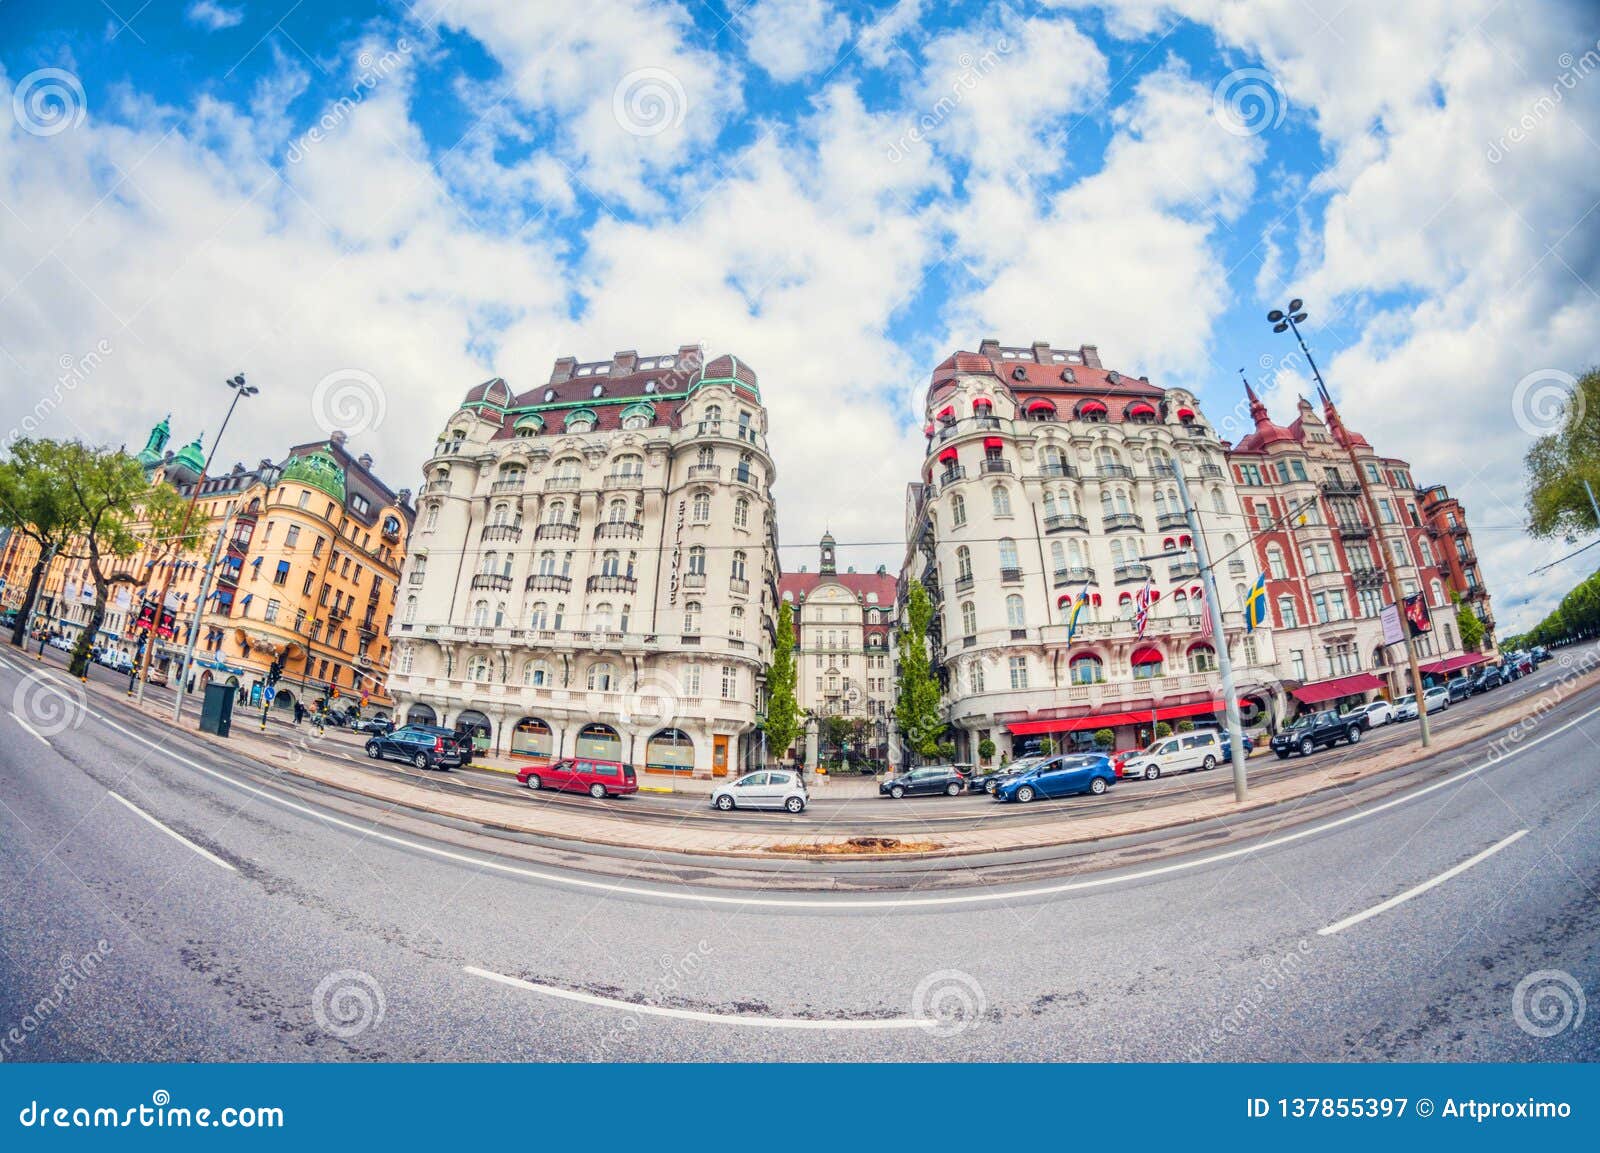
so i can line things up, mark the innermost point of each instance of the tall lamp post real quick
(240, 389)
(1289, 320)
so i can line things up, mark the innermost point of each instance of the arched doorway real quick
(669, 751)
(474, 722)
(601, 741)
(532, 738)
(283, 699)
(420, 714)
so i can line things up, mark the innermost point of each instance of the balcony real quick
(1130, 571)
(1367, 577)
(1168, 520)
(705, 472)
(1354, 530)
(501, 532)
(1114, 472)
(950, 475)
(548, 582)
(1060, 521)
(964, 583)
(1456, 530)
(1340, 487)
(506, 484)
(612, 583)
(368, 627)
(435, 487)
(1058, 472)
(619, 530)
(694, 580)
(1183, 570)
(556, 532)
(625, 480)
(1467, 557)
(416, 578)
(744, 476)
(1077, 575)
(563, 484)
(492, 580)
(1212, 471)
(1237, 567)
(739, 585)
(994, 464)
(1475, 593)
(1123, 522)
(1010, 576)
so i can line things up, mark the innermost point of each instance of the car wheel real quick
(420, 760)
(725, 802)
(952, 790)
(1354, 734)
(897, 792)
(795, 805)
(1152, 772)
(597, 791)
(1209, 763)
(1307, 746)
(372, 751)
(534, 783)
(1098, 786)
(1025, 794)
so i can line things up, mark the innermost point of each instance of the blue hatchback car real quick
(1060, 777)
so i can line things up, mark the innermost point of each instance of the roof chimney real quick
(1091, 355)
(563, 369)
(365, 461)
(623, 363)
(1041, 351)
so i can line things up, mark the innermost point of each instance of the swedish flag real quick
(1078, 604)
(1255, 605)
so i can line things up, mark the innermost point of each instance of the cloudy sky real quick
(369, 208)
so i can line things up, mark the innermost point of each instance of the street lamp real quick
(1289, 320)
(240, 389)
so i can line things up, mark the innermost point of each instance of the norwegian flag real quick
(1205, 616)
(1141, 608)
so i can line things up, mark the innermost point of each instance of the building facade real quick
(843, 662)
(1325, 561)
(1446, 522)
(594, 569)
(1046, 476)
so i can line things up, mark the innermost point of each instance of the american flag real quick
(1205, 616)
(1141, 607)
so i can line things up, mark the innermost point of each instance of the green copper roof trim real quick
(579, 413)
(529, 420)
(596, 401)
(319, 470)
(642, 408)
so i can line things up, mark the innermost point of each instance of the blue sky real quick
(407, 199)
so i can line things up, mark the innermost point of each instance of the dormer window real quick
(649, 386)
(549, 395)
(599, 390)
(581, 421)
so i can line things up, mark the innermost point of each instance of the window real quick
(1016, 616)
(1019, 672)
(281, 576)
(478, 668)
(411, 610)
(977, 677)
(739, 560)
(730, 683)
(610, 563)
(958, 511)
(601, 677)
(969, 619)
(402, 660)
(431, 519)
(536, 673)
(1297, 663)
(702, 508)
(964, 563)
(1086, 669)
(539, 618)
(480, 614)
(697, 560)
(741, 513)
(1275, 564)
(736, 622)
(1002, 500)
(691, 680)
(273, 608)
(1287, 618)
(1008, 554)
(691, 618)
(1202, 659)
(292, 537)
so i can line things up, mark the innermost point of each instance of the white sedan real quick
(1377, 713)
(767, 789)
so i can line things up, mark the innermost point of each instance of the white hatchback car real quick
(1201, 749)
(1377, 713)
(766, 789)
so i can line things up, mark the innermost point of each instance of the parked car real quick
(415, 745)
(988, 782)
(766, 789)
(375, 725)
(1490, 678)
(1459, 688)
(1227, 746)
(461, 741)
(1522, 662)
(155, 676)
(923, 782)
(1316, 731)
(1201, 749)
(1538, 654)
(582, 775)
(1060, 776)
(1436, 698)
(1374, 713)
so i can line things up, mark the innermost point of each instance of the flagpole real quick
(1214, 611)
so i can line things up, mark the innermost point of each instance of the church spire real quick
(828, 565)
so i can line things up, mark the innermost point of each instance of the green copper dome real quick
(156, 444)
(318, 469)
(191, 456)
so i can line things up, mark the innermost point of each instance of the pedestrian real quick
(299, 713)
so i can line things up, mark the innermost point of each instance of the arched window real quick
(478, 668)
(1086, 669)
(1161, 503)
(610, 562)
(1202, 658)
(713, 415)
(1180, 603)
(547, 563)
(1058, 555)
(697, 560)
(1049, 503)
(1008, 553)
(630, 464)
(1016, 616)
(969, 619)
(1106, 505)
(580, 421)
(1125, 606)
(739, 561)
(958, 510)
(741, 513)
(602, 617)
(1107, 459)
(964, 563)
(617, 511)
(490, 562)
(742, 473)
(501, 515)
(568, 469)
(702, 507)
(602, 677)
(1054, 461)
(431, 520)
(1077, 553)
(1147, 664)
(499, 614)
(539, 618)
(1002, 500)
(706, 457)
(555, 512)
(691, 618)
(480, 614)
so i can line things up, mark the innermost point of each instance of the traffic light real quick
(333, 691)
(275, 671)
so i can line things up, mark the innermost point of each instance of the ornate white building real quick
(593, 569)
(1048, 475)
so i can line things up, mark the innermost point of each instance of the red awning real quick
(1451, 664)
(983, 402)
(1141, 409)
(948, 453)
(1113, 720)
(1318, 691)
(1094, 598)
(947, 412)
(1039, 402)
(993, 442)
(1186, 414)
(1147, 656)
(1091, 406)
(927, 430)
(1063, 599)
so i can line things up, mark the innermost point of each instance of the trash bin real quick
(216, 711)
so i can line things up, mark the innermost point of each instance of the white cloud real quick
(209, 14)
(791, 39)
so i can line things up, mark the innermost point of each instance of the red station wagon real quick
(582, 775)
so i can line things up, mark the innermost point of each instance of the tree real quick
(783, 710)
(1104, 738)
(916, 708)
(1047, 745)
(1558, 465)
(986, 750)
(1163, 730)
(1468, 625)
(34, 503)
(118, 512)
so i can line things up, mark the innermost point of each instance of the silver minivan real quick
(1201, 749)
(765, 789)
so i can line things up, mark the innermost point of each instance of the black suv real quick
(461, 740)
(421, 745)
(1460, 688)
(924, 781)
(1315, 732)
(1491, 678)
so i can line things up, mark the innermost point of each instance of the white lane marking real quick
(1418, 890)
(709, 1018)
(34, 733)
(623, 889)
(179, 837)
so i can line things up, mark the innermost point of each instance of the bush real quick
(1163, 730)
(1186, 726)
(1105, 739)
(986, 749)
(1047, 746)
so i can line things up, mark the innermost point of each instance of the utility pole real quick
(1208, 581)
(1290, 320)
(194, 629)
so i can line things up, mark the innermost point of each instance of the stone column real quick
(811, 744)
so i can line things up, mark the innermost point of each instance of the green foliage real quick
(1469, 626)
(1558, 464)
(986, 749)
(1104, 739)
(783, 709)
(1047, 746)
(1163, 730)
(1578, 615)
(35, 503)
(947, 750)
(1186, 726)
(917, 707)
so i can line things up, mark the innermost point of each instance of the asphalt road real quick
(208, 912)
